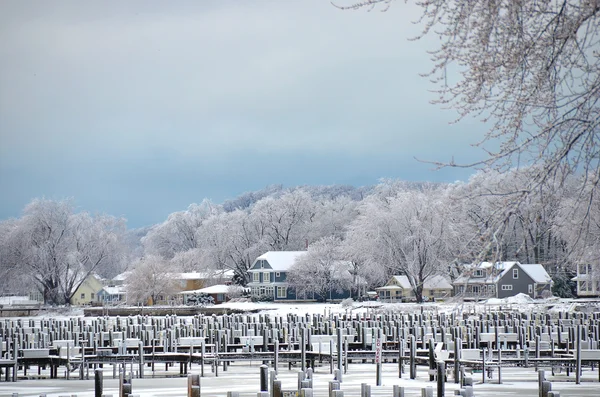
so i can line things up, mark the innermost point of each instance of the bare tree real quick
(410, 233)
(529, 69)
(178, 232)
(150, 279)
(59, 249)
(322, 271)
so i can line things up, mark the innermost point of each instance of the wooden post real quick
(541, 379)
(277, 392)
(413, 353)
(432, 364)
(202, 354)
(340, 351)
(141, 359)
(378, 353)
(398, 391)
(441, 373)
(264, 378)
(303, 349)
(365, 390)
(457, 347)
(578, 356)
(193, 380)
(98, 382)
(400, 354)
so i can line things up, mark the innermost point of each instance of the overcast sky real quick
(140, 108)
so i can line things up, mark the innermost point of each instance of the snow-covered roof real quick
(214, 289)
(536, 271)
(281, 260)
(119, 290)
(437, 282)
(123, 276)
(433, 282)
(402, 281)
(203, 275)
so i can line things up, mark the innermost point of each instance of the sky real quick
(140, 108)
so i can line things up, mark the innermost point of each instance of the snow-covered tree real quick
(410, 233)
(322, 271)
(178, 232)
(233, 240)
(529, 69)
(284, 222)
(151, 279)
(59, 249)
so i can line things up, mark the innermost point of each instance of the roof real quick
(215, 289)
(536, 271)
(114, 290)
(281, 260)
(437, 282)
(123, 276)
(433, 282)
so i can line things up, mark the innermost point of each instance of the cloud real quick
(115, 90)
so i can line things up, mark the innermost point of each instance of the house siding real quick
(519, 285)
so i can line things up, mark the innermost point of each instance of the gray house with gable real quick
(501, 280)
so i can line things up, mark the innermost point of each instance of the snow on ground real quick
(244, 378)
(15, 300)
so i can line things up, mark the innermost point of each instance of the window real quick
(266, 277)
(281, 292)
(530, 289)
(585, 269)
(476, 289)
(478, 273)
(584, 286)
(92, 295)
(507, 287)
(256, 277)
(277, 274)
(83, 295)
(515, 273)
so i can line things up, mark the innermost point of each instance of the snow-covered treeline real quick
(395, 227)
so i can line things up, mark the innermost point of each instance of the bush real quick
(200, 300)
(262, 298)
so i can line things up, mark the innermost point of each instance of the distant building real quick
(501, 280)
(588, 280)
(87, 292)
(399, 289)
(268, 278)
(112, 295)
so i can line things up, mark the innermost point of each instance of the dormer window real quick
(478, 273)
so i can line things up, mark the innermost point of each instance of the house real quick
(116, 291)
(588, 280)
(191, 281)
(268, 275)
(112, 295)
(501, 280)
(87, 291)
(398, 288)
